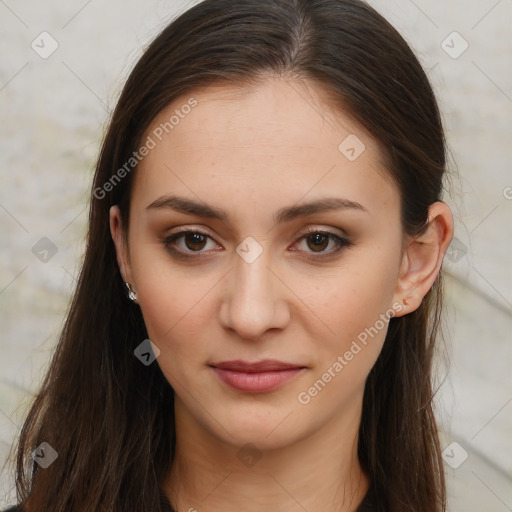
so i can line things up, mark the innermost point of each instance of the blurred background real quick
(62, 67)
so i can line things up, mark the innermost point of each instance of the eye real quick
(319, 240)
(184, 244)
(187, 242)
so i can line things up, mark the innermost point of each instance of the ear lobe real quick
(117, 236)
(423, 257)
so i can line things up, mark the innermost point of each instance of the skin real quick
(252, 151)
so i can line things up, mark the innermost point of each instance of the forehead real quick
(279, 139)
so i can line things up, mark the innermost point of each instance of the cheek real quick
(175, 309)
(178, 308)
(349, 347)
(170, 295)
(353, 297)
(176, 319)
(350, 311)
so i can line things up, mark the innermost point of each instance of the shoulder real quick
(14, 508)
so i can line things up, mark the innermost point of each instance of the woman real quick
(255, 319)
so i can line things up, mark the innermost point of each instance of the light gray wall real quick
(52, 114)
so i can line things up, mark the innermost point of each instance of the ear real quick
(422, 259)
(120, 244)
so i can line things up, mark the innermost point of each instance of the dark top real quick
(367, 505)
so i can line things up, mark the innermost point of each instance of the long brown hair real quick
(109, 417)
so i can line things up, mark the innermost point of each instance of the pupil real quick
(317, 239)
(196, 239)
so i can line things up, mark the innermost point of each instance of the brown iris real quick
(319, 240)
(195, 241)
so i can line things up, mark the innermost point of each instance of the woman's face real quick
(261, 167)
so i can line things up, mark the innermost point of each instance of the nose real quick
(254, 299)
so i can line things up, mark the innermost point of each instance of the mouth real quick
(257, 377)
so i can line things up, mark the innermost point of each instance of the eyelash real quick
(179, 253)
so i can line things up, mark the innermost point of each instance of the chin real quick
(268, 433)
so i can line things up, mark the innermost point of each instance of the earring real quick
(131, 293)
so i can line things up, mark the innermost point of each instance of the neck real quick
(318, 472)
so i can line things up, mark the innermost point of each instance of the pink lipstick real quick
(257, 377)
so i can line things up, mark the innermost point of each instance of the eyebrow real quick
(288, 213)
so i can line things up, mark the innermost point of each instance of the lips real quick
(257, 377)
(259, 366)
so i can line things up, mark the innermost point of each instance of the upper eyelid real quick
(301, 234)
(339, 232)
(315, 228)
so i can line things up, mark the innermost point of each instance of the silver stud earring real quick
(131, 293)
